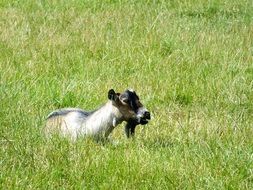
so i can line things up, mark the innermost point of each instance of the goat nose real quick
(147, 115)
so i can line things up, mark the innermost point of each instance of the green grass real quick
(190, 61)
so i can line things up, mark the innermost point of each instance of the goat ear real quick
(111, 94)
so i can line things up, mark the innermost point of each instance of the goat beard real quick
(131, 125)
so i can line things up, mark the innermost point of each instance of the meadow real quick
(191, 62)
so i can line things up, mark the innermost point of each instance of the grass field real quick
(190, 61)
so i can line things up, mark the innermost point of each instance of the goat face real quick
(129, 105)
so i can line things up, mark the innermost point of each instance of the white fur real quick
(100, 123)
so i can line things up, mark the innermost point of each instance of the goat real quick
(75, 122)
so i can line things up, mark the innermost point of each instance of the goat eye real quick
(125, 100)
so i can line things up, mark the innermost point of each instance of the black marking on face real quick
(132, 100)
